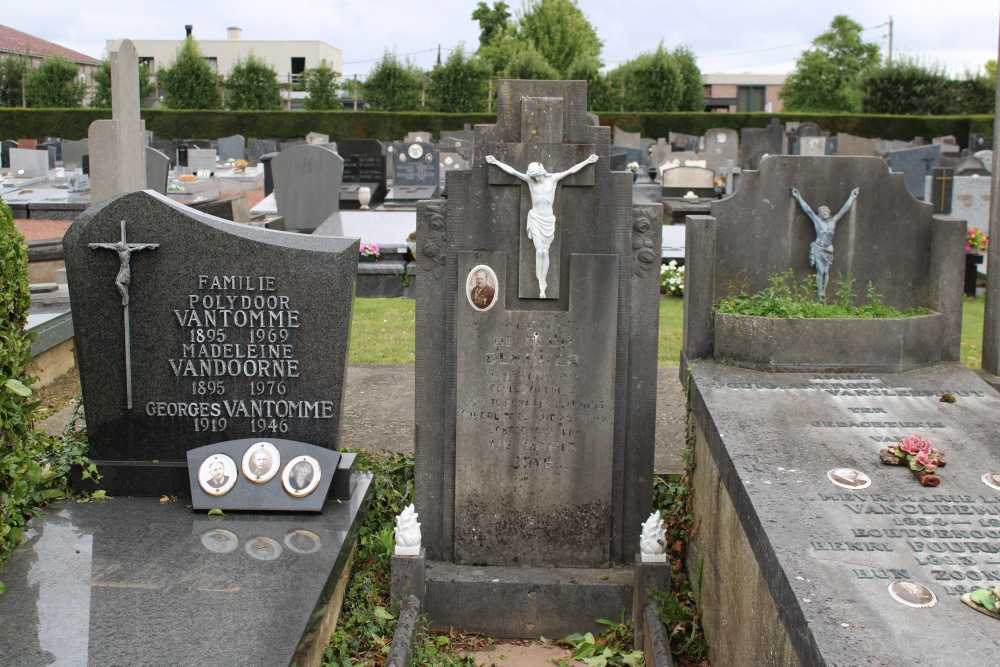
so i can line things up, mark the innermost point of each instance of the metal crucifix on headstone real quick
(122, 281)
(541, 141)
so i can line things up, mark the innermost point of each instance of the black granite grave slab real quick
(234, 331)
(364, 165)
(796, 569)
(415, 172)
(133, 581)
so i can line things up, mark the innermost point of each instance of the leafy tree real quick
(12, 72)
(991, 70)
(459, 85)
(693, 94)
(905, 87)
(102, 85)
(972, 93)
(653, 82)
(393, 86)
(560, 31)
(828, 77)
(55, 84)
(189, 83)
(253, 86)
(491, 21)
(321, 82)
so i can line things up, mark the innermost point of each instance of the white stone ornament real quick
(364, 197)
(653, 540)
(407, 532)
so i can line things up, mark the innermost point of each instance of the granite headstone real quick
(157, 170)
(29, 163)
(192, 330)
(721, 145)
(307, 185)
(231, 148)
(73, 152)
(755, 142)
(415, 172)
(916, 163)
(258, 147)
(364, 166)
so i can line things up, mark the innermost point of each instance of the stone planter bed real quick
(835, 345)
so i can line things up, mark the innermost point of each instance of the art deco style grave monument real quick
(535, 404)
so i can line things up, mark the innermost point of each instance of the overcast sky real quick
(730, 36)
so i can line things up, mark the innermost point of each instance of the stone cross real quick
(117, 146)
(122, 281)
(541, 141)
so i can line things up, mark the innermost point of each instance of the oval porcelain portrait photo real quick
(481, 287)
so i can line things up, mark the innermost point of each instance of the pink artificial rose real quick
(923, 459)
(912, 445)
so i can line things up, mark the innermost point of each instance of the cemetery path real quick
(42, 229)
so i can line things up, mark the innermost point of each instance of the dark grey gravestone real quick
(418, 137)
(914, 164)
(202, 159)
(73, 152)
(234, 332)
(684, 142)
(307, 185)
(459, 140)
(618, 162)
(796, 131)
(118, 582)
(822, 557)
(529, 413)
(54, 143)
(157, 169)
(364, 166)
(755, 141)
(259, 147)
(942, 185)
(5, 147)
(167, 148)
(631, 154)
(415, 172)
(231, 148)
(978, 142)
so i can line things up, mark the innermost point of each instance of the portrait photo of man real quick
(481, 287)
(261, 462)
(217, 475)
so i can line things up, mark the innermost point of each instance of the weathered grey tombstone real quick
(684, 142)
(258, 147)
(916, 163)
(192, 330)
(618, 161)
(626, 139)
(850, 145)
(793, 414)
(317, 139)
(986, 157)
(812, 146)
(794, 132)
(535, 417)
(307, 185)
(418, 137)
(721, 144)
(157, 169)
(971, 166)
(970, 201)
(631, 154)
(364, 166)
(29, 162)
(678, 181)
(978, 142)
(658, 153)
(415, 173)
(757, 141)
(460, 140)
(202, 159)
(883, 147)
(117, 159)
(231, 148)
(73, 152)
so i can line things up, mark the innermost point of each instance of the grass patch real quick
(671, 331)
(382, 331)
(973, 316)
(787, 297)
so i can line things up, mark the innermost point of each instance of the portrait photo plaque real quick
(261, 462)
(217, 475)
(992, 480)
(849, 478)
(912, 594)
(481, 287)
(301, 476)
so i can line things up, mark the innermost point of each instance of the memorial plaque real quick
(231, 148)
(859, 574)
(192, 330)
(364, 166)
(29, 163)
(415, 172)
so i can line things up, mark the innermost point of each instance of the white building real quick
(289, 58)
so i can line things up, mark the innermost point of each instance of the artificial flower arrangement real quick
(917, 454)
(368, 250)
(985, 600)
(975, 240)
(633, 167)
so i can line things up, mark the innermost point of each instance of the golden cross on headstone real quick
(541, 141)
(943, 176)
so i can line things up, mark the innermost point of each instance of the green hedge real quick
(73, 123)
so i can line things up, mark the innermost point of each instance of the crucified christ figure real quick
(541, 220)
(821, 250)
